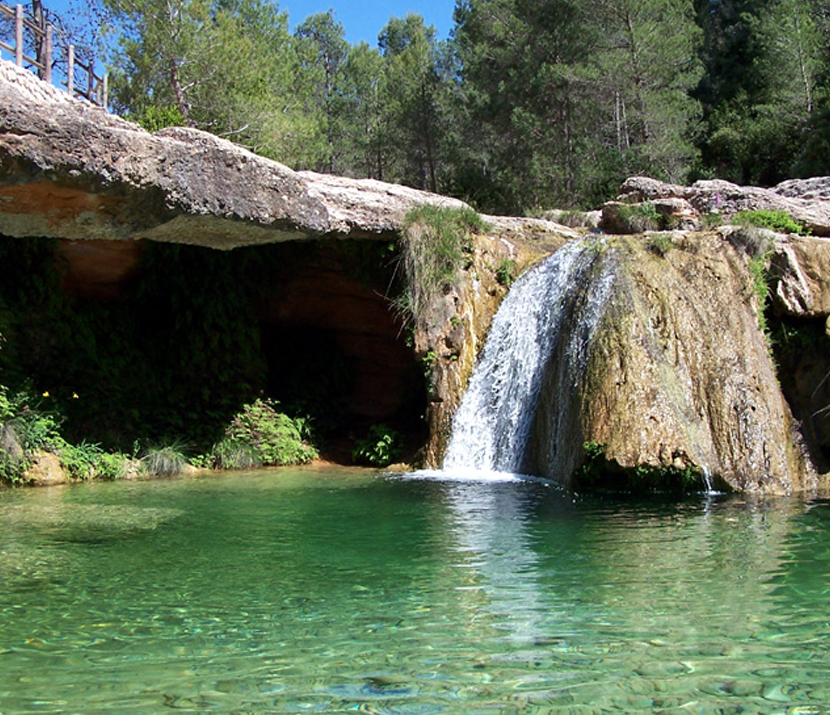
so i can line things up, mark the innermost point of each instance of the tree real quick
(414, 85)
(362, 104)
(328, 52)
(227, 66)
(648, 62)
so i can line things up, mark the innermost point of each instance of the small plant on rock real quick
(778, 221)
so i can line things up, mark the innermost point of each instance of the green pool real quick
(333, 590)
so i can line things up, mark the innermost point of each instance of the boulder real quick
(806, 200)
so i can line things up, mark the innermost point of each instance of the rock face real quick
(679, 374)
(676, 374)
(806, 200)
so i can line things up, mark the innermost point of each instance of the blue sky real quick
(363, 19)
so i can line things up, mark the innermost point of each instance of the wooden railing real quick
(95, 87)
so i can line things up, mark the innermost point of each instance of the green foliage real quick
(154, 117)
(436, 245)
(25, 428)
(380, 448)
(638, 218)
(271, 437)
(231, 453)
(164, 461)
(760, 283)
(659, 244)
(506, 272)
(779, 221)
(597, 472)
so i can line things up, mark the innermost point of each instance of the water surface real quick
(307, 590)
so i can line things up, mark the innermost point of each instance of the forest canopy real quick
(529, 105)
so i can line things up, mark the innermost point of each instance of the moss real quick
(599, 473)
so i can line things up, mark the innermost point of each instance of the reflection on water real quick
(311, 590)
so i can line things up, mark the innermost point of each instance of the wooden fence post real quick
(18, 35)
(70, 70)
(47, 58)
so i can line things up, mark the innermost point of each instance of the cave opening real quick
(157, 342)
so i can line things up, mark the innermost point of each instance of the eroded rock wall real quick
(678, 374)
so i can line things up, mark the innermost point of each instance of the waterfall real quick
(551, 309)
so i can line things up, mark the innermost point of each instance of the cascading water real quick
(493, 425)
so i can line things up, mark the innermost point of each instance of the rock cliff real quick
(680, 373)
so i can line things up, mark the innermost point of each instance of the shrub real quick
(269, 436)
(779, 221)
(380, 448)
(506, 272)
(435, 245)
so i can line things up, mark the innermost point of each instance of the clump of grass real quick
(165, 461)
(436, 243)
(638, 218)
(232, 453)
(659, 244)
(774, 220)
(572, 218)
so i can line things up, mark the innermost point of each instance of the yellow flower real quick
(74, 395)
(46, 394)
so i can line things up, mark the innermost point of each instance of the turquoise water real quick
(332, 590)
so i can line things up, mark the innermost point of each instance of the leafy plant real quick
(380, 448)
(775, 220)
(260, 435)
(506, 272)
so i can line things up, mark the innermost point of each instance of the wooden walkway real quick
(81, 80)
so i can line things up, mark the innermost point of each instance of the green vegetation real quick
(739, 93)
(380, 448)
(779, 221)
(259, 435)
(506, 272)
(166, 461)
(760, 281)
(26, 429)
(638, 218)
(597, 472)
(659, 244)
(435, 246)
